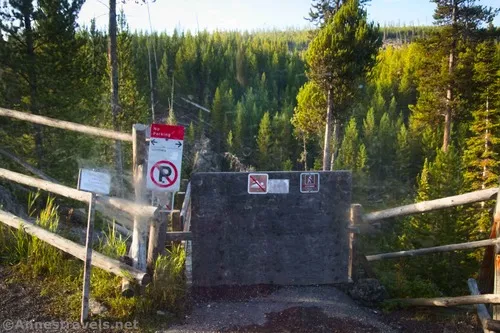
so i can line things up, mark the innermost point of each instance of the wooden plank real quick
(138, 246)
(428, 206)
(435, 249)
(157, 239)
(77, 250)
(177, 236)
(482, 311)
(95, 131)
(88, 261)
(449, 301)
(355, 218)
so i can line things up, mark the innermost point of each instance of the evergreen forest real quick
(412, 111)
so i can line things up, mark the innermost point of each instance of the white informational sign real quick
(94, 181)
(165, 158)
(278, 186)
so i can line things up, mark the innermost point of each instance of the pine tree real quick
(460, 19)
(403, 154)
(481, 157)
(339, 56)
(229, 142)
(349, 148)
(264, 140)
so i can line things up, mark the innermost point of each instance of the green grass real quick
(59, 275)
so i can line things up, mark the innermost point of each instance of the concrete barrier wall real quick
(289, 238)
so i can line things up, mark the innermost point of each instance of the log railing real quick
(77, 250)
(431, 205)
(492, 256)
(89, 130)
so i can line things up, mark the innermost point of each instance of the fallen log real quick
(487, 323)
(105, 133)
(428, 206)
(77, 250)
(449, 301)
(435, 249)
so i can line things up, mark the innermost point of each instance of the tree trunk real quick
(305, 154)
(449, 90)
(30, 51)
(336, 142)
(328, 130)
(115, 107)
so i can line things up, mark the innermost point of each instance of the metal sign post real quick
(91, 181)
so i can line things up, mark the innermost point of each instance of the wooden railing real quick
(361, 223)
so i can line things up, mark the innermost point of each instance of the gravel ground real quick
(314, 304)
(255, 310)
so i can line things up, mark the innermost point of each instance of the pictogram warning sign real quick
(165, 158)
(164, 174)
(309, 182)
(258, 183)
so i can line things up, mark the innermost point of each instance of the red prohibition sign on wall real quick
(167, 171)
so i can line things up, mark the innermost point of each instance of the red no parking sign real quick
(165, 158)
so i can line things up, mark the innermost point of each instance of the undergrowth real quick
(59, 275)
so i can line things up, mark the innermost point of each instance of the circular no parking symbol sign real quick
(163, 174)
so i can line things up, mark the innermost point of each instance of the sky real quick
(196, 15)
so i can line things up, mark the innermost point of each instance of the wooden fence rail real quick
(66, 125)
(77, 250)
(428, 206)
(120, 204)
(449, 301)
(435, 249)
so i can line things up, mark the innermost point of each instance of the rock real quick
(9, 204)
(368, 291)
(96, 307)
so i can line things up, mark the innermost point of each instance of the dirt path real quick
(316, 310)
(302, 309)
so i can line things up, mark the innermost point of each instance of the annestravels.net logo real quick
(26, 326)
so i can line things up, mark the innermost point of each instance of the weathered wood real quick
(177, 236)
(130, 207)
(138, 247)
(186, 209)
(449, 301)
(355, 218)
(176, 221)
(104, 133)
(428, 206)
(157, 239)
(77, 250)
(435, 249)
(496, 287)
(482, 311)
(492, 326)
(88, 261)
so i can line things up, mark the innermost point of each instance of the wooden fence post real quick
(157, 238)
(138, 247)
(496, 286)
(356, 216)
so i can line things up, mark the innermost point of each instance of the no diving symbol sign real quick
(164, 174)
